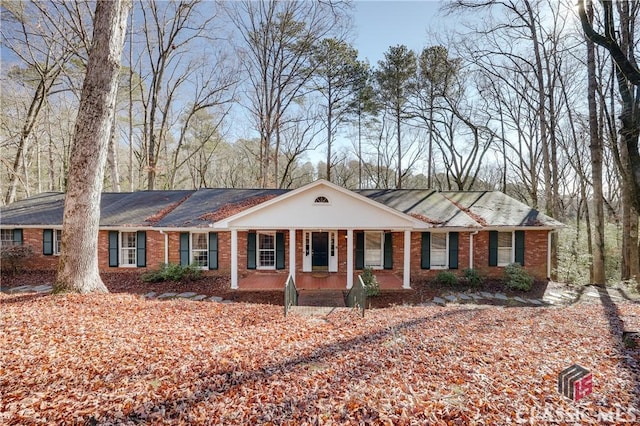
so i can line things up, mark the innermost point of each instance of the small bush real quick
(13, 257)
(473, 278)
(447, 278)
(371, 285)
(172, 272)
(517, 278)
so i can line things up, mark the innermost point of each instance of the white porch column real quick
(349, 258)
(292, 253)
(406, 273)
(234, 258)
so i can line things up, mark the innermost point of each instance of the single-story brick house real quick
(318, 227)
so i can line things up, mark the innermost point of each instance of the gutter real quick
(166, 246)
(471, 234)
(553, 231)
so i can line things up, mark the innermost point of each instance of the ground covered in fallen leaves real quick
(120, 359)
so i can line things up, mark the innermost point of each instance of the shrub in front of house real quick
(172, 272)
(447, 278)
(517, 278)
(371, 285)
(472, 278)
(13, 257)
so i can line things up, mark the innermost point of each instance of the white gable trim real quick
(400, 220)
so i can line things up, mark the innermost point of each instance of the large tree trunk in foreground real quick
(78, 265)
(595, 145)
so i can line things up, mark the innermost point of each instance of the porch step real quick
(317, 311)
(326, 298)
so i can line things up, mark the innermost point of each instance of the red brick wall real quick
(416, 256)
(33, 238)
(535, 253)
(242, 253)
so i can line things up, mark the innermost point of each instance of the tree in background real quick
(276, 45)
(364, 102)
(435, 80)
(335, 65)
(395, 77)
(78, 265)
(31, 33)
(618, 38)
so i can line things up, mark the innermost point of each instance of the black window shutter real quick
(251, 250)
(493, 248)
(17, 236)
(279, 250)
(388, 250)
(519, 252)
(425, 258)
(213, 250)
(141, 248)
(184, 249)
(359, 250)
(47, 242)
(113, 248)
(453, 250)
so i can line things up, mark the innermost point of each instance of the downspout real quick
(553, 231)
(166, 246)
(471, 248)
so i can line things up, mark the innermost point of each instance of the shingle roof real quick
(499, 210)
(196, 210)
(140, 208)
(424, 204)
(42, 209)
(200, 208)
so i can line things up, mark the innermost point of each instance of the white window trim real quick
(512, 248)
(122, 249)
(446, 252)
(57, 241)
(381, 265)
(193, 250)
(259, 249)
(7, 242)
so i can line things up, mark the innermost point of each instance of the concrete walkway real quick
(552, 297)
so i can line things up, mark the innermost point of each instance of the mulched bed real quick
(422, 290)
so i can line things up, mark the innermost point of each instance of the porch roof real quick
(321, 205)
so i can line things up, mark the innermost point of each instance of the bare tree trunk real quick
(39, 97)
(112, 158)
(399, 184)
(597, 267)
(630, 262)
(78, 265)
(131, 186)
(546, 161)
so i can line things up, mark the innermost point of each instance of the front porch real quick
(314, 281)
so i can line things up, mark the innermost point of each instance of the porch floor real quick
(313, 281)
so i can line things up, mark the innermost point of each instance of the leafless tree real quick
(275, 41)
(78, 264)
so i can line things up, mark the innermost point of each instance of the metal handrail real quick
(290, 295)
(357, 296)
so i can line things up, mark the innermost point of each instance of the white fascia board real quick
(414, 223)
